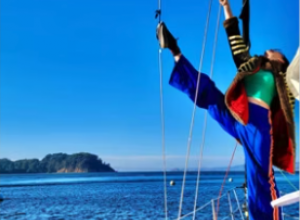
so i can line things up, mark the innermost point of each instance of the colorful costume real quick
(282, 106)
(267, 136)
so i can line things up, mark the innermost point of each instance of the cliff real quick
(57, 163)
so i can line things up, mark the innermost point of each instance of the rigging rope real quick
(194, 111)
(225, 177)
(158, 14)
(163, 137)
(205, 117)
(287, 179)
(210, 202)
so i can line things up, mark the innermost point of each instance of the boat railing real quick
(237, 213)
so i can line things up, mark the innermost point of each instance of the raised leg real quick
(184, 78)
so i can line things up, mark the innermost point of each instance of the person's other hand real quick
(223, 2)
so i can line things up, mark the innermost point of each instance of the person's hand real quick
(227, 9)
(223, 2)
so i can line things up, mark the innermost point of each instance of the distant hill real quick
(242, 167)
(212, 169)
(56, 163)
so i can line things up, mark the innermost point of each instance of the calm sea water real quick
(121, 195)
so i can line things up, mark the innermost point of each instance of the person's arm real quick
(240, 51)
(227, 9)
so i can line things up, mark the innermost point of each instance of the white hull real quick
(288, 199)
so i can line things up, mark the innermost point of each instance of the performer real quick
(257, 110)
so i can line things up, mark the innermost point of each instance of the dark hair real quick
(286, 63)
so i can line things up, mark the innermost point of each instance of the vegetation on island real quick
(57, 163)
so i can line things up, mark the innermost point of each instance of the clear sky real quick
(82, 76)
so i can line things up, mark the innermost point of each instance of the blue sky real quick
(83, 76)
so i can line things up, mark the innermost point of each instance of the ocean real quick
(137, 196)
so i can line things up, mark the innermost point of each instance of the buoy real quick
(172, 183)
(230, 179)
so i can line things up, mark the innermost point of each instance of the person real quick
(256, 110)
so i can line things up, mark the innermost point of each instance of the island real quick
(56, 163)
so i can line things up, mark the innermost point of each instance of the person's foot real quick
(166, 39)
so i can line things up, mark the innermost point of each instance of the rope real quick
(232, 212)
(202, 207)
(158, 14)
(205, 117)
(163, 136)
(225, 177)
(238, 204)
(291, 184)
(194, 111)
(206, 204)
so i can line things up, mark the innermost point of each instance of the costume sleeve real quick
(239, 49)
